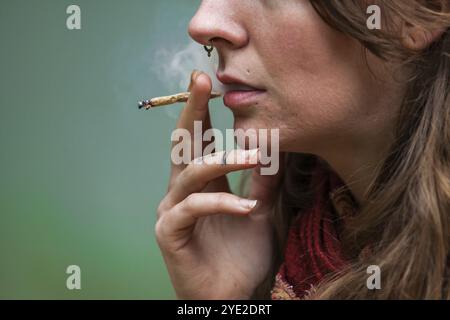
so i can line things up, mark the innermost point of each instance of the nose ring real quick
(209, 49)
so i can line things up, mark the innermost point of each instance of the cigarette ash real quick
(175, 66)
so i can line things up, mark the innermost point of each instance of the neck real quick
(357, 158)
(358, 164)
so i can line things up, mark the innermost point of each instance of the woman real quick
(364, 119)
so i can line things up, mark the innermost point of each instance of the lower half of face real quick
(320, 90)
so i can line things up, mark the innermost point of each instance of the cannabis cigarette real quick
(168, 100)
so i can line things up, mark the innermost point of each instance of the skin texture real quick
(322, 96)
(320, 92)
(213, 246)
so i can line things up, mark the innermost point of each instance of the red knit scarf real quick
(313, 249)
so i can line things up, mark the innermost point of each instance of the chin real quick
(256, 131)
(247, 124)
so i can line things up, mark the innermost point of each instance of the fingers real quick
(203, 170)
(175, 225)
(197, 106)
(196, 109)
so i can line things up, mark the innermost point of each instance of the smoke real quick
(174, 68)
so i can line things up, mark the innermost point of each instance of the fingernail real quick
(194, 76)
(248, 204)
(197, 74)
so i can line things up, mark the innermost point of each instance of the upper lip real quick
(227, 79)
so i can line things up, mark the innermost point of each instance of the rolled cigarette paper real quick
(168, 100)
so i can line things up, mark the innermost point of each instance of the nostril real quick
(224, 30)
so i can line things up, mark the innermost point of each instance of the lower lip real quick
(239, 99)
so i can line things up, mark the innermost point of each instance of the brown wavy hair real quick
(406, 218)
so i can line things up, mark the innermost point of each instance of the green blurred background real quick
(82, 170)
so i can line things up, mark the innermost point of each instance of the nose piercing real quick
(209, 49)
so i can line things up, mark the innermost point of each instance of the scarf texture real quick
(313, 249)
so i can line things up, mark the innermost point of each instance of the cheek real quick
(318, 79)
(320, 88)
(300, 42)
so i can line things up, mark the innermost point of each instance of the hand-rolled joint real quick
(168, 100)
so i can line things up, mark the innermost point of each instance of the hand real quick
(216, 245)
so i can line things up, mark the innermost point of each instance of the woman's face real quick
(314, 83)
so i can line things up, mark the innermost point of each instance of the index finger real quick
(197, 105)
(203, 170)
(196, 109)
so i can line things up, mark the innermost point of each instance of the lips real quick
(239, 93)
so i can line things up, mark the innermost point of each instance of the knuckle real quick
(190, 201)
(190, 171)
(162, 208)
(178, 180)
(164, 231)
(221, 198)
(159, 231)
(222, 201)
(190, 178)
(159, 212)
(184, 177)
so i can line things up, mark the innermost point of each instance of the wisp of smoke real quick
(175, 66)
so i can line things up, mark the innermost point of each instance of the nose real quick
(219, 22)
